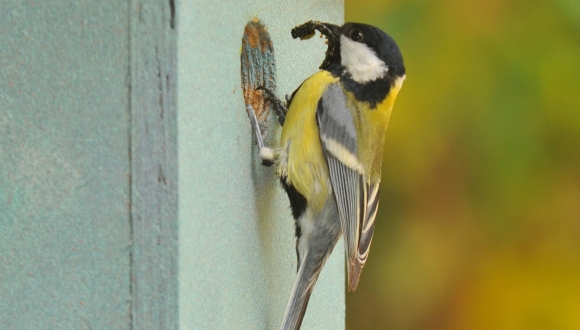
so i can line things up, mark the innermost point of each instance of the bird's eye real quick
(357, 35)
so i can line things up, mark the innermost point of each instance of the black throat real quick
(373, 92)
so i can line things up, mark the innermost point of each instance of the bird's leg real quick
(267, 155)
(255, 125)
(280, 107)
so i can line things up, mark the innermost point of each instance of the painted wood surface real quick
(65, 230)
(131, 195)
(237, 257)
(88, 184)
(153, 158)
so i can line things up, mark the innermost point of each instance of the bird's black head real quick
(368, 54)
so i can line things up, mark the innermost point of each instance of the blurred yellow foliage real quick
(479, 223)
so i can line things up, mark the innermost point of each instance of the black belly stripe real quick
(297, 201)
(298, 205)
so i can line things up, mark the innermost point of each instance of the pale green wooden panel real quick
(236, 239)
(87, 168)
(64, 166)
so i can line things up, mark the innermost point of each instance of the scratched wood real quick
(153, 164)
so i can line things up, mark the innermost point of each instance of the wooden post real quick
(131, 194)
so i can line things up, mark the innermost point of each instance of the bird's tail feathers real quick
(305, 280)
(354, 270)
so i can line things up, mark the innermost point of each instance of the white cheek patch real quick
(360, 61)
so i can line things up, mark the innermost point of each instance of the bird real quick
(330, 151)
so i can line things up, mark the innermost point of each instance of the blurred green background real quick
(479, 223)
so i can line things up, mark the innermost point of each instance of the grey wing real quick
(339, 141)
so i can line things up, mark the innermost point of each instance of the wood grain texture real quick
(153, 164)
(64, 165)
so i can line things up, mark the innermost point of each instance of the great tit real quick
(331, 149)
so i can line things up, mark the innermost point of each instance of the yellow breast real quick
(301, 159)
